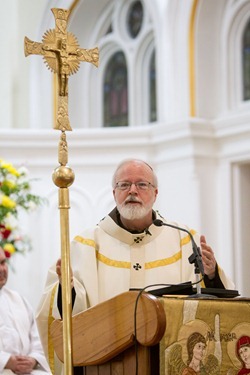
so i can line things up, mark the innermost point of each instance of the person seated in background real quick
(20, 347)
(127, 250)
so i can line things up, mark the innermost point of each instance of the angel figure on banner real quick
(193, 353)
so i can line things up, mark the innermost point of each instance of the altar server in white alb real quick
(20, 346)
(127, 250)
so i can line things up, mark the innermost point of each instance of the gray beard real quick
(131, 212)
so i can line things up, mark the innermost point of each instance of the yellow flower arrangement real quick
(15, 195)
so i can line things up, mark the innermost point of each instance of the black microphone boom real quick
(196, 256)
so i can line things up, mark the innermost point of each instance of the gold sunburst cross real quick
(62, 55)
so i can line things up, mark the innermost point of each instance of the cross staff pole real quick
(62, 55)
(63, 177)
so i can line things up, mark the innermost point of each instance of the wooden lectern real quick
(103, 337)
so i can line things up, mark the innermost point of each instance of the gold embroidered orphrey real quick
(62, 55)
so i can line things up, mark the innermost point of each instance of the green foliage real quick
(15, 195)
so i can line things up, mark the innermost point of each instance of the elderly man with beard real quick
(126, 250)
(20, 347)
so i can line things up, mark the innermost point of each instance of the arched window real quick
(129, 74)
(135, 18)
(152, 90)
(246, 62)
(116, 92)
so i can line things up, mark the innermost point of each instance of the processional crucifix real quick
(62, 55)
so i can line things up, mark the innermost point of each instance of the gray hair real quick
(127, 161)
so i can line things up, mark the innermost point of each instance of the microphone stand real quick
(198, 270)
(195, 258)
(198, 293)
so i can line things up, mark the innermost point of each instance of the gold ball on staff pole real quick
(63, 176)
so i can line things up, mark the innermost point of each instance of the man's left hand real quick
(208, 259)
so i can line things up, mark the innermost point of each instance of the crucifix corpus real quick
(62, 55)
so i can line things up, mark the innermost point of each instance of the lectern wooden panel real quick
(103, 336)
(125, 363)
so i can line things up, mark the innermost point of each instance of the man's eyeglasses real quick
(141, 185)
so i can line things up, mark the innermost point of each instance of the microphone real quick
(196, 256)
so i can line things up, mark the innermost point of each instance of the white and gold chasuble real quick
(108, 260)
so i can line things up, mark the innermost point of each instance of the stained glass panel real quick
(152, 89)
(116, 92)
(135, 18)
(246, 63)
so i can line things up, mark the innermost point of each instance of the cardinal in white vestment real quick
(20, 346)
(125, 250)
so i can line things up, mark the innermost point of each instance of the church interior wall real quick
(7, 64)
(199, 160)
(241, 219)
(171, 38)
(208, 59)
